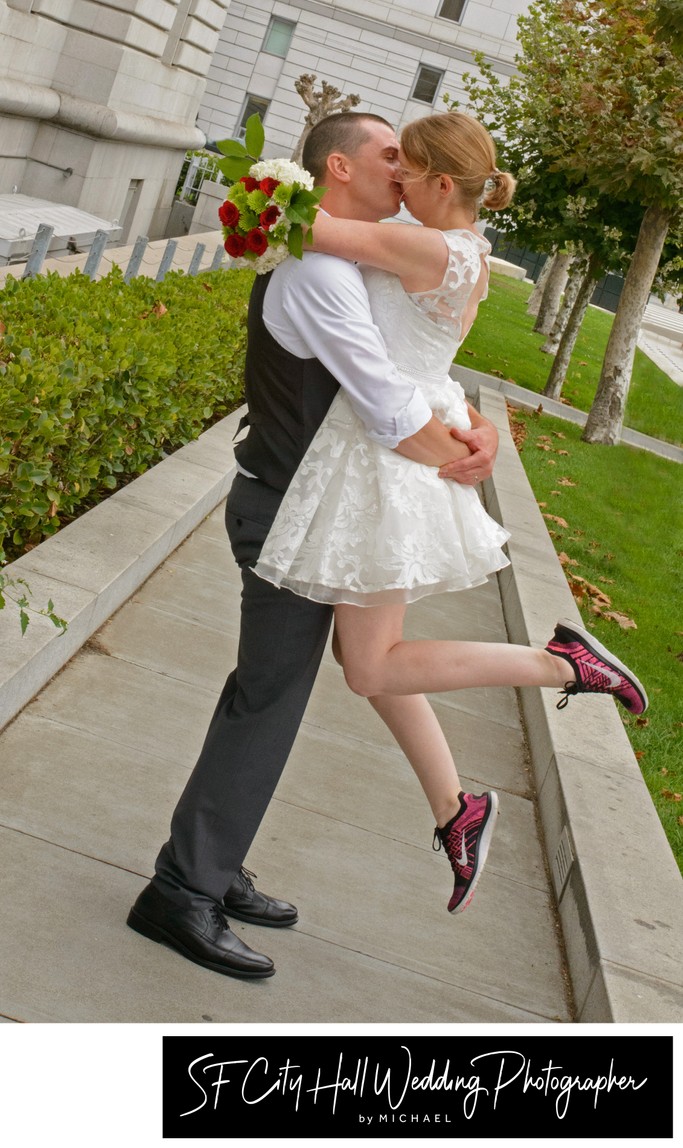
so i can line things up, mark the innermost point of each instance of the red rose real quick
(268, 186)
(257, 241)
(249, 183)
(228, 214)
(235, 245)
(268, 217)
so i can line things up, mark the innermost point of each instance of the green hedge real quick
(99, 381)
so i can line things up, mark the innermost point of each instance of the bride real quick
(369, 530)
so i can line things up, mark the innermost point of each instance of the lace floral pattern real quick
(364, 525)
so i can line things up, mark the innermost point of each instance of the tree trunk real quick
(576, 273)
(606, 415)
(558, 372)
(552, 293)
(537, 293)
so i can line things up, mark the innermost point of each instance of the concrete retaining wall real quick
(619, 891)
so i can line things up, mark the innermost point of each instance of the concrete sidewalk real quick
(95, 756)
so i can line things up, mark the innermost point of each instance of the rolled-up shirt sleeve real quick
(319, 308)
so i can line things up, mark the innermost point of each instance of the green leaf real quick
(234, 168)
(231, 147)
(305, 198)
(254, 136)
(295, 242)
(296, 216)
(23, 621)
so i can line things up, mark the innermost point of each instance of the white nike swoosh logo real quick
(462, 859)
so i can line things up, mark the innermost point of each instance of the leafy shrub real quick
(101, 380)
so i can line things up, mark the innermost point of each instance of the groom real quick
(309, 331)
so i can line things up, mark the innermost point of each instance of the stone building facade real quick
(99, 101)
(399, 58)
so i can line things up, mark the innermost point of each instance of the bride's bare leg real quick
(378, 661)
(415, 726)
(464, 826)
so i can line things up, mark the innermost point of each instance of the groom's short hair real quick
(340, 132)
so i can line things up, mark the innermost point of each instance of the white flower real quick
(283, 170)
(264, 263)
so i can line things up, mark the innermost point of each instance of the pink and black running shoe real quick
(597, 671)
(466, 839)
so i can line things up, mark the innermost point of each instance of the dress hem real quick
(338, 596)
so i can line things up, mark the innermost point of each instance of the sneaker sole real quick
(482, 853)
(591, 643)
(156, 933)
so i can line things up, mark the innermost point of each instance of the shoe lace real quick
(219, 917)
(569, 690)
(247, 874)
(437, 843)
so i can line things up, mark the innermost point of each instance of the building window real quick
(278, 37)
(253, 105)
(426, 84)
(452, 10)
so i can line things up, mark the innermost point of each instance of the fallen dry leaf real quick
(554, 518)
(642, 721)
(672, 796)
(565, 560)
(558, 434)
(622, 620)
(566, 482)
(561, 452)
(159, 309)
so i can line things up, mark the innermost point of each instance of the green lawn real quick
(502, 343)
(623, 510)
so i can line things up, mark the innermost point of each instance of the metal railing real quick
(44, 235)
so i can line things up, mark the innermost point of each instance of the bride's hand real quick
(482, 441)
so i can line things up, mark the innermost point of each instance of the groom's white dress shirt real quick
(318, 308)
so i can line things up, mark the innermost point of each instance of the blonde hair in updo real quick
(457, 145)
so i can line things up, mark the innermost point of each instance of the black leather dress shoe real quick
(201, 935)
(245, 902)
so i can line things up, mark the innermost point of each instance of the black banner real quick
(418, 1086)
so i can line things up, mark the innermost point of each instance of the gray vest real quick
(287, 398)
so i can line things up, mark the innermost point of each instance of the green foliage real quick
(591, 125)
(18, 592)
(101, 380)
(502, 343)
(240, 156)
(615, 520)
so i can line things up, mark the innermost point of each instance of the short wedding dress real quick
(362, 524)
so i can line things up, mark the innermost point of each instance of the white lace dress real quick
(362, 524)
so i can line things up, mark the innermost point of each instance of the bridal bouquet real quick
(267, 206)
